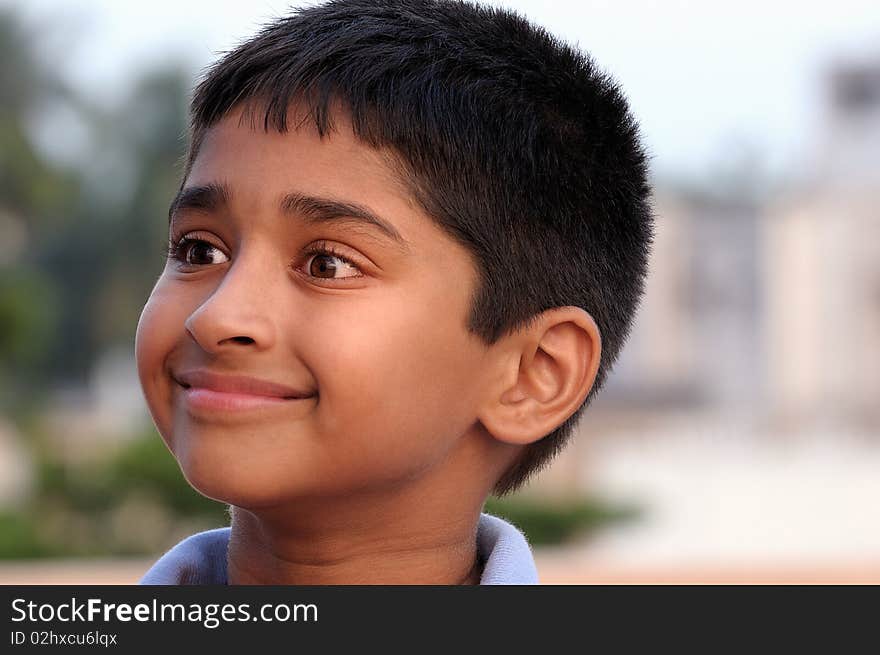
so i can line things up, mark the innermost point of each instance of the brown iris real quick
(323, 266)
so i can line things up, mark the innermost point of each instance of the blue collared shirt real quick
(201, 558)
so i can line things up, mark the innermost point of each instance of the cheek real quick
(399, 378)
(158, 330)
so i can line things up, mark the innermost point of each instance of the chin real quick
(253, 485)
(249, 494)
(228, 482)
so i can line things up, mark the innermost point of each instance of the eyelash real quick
(175, 251)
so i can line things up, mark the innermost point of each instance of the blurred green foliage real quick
(556, 521)
(82, 236)
(130, 501)
(27, 312)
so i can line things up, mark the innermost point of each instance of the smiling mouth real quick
(210, 400)
(241, 393)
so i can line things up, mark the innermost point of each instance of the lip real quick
(238, 385)
(205, 390)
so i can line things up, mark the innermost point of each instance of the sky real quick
(709, 82)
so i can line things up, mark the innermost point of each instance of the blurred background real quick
(738, 439)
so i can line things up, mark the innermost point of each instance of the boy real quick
(408, 245)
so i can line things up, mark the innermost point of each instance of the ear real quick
(546, 372)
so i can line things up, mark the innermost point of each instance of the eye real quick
(188, 248)
(324, 262)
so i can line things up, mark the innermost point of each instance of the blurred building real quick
(771, 307)
(744, 415)
(821, 260)
(696, 340)
(761, 319)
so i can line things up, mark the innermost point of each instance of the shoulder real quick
(198, 559)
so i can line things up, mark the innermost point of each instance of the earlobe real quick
(554, 367)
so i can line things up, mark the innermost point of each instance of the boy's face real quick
(374, 332)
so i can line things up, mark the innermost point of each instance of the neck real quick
(348, 542)
(422, 530)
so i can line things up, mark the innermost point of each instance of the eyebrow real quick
(314, 210)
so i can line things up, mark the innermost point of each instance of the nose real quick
(239, 311)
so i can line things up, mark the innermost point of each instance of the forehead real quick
(240, 145)
(241, 163)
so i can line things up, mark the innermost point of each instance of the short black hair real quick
(512, 141)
